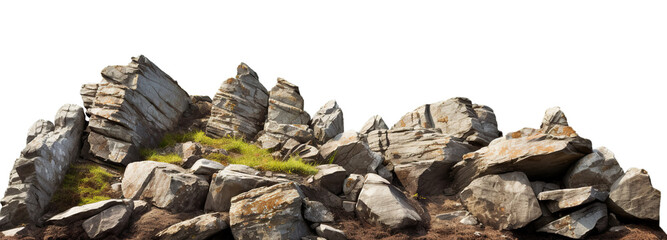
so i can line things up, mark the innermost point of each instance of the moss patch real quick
(84, 183)
(241, 153)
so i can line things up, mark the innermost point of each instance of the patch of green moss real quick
(83, 183)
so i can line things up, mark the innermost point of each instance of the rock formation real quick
(131, 108)
(239, 107)
(327, 122)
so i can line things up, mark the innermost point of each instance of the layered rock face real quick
(327, 122)
(458, 117)
(540, 154)
(286, 104)
(633, 196)
(239, 107)
(40, 169)
(421, 158)
(131, 108)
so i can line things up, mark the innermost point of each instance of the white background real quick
(602, 62)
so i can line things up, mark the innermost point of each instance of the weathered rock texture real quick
(327, 122)
(269, 213)
(374, 123)
(165, 186)
(82, 212)
(571, 197)
(421, 158)
(40, 169)
(458, 117)
(504, 201)
(111, 221)
(198, 228)
(598, 169)
(230, 182)
(131, 108)
(239, 107)
(540, 154)
(382, 204)
(286, 104)
(351, 152)
(632, 196)
(579, 223)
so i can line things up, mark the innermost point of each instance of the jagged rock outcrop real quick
(557, 200)
(165, 186)
(633, 196)
(40, 169)
(230, 182)
(458, 117)
(579, 223)
(131, 108)
(286, 104)
(269, 213)
(197, 228)
(351, 152)
(421, 158)
(327, 122)
(374, 123)
(598, 169)
(540, 154)
(382, 204)
(239, 107)
(504, 201)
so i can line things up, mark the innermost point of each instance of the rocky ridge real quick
(443, 171)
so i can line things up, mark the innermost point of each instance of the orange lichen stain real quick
(516, 134)
(229, 80)
(444, 119)
(567, 131)
(469, 155)
(267, 203)
(230, 106)
(402, 123)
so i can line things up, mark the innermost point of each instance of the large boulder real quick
(504, 201)
(82, 212)
(327, 122)
(598, 169)
(557, 200)
(42, 165)
(633, 196)
(578, 224)
(286, 104)
(458, 117)
(230, 182)
(197, 228)
(382, 204)
(239, 107)
(541, 154)
(269, 213)
(351, 152)
(330, 177)
(206, 167)
(165, 186)
(109, 222)
(421, 158)
(374, 123)
(131, 108)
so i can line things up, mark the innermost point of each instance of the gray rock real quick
(131, 108)
(308, 153)
(598, 169)
(330, 233)
(165, 186)
(197, 228)
(82, 212)
(316, 212)
(633, 196)
(579, 223)
(374, 123)
(269, 213)
(553, 117)
(458, 117)
(42, 165)
(327, 122)
(539, 154)
(316, 193)
(385, 173)
(504, 201)
(190, 152)
(540, 186)
(421, 158)
(469, 220)
(14, 232)
(111, 221)
(229, 183)
(350, 152)
(140, 207)
(572, 197)
(239, 107)
(382, 204)
(242, 169)
(352, 186)
(330, 177)
(276, 135)
(286, 104)
(452, 215)
(206, 167)
(349, 206)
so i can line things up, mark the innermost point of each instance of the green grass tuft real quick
(84, 183)
(242, 153)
